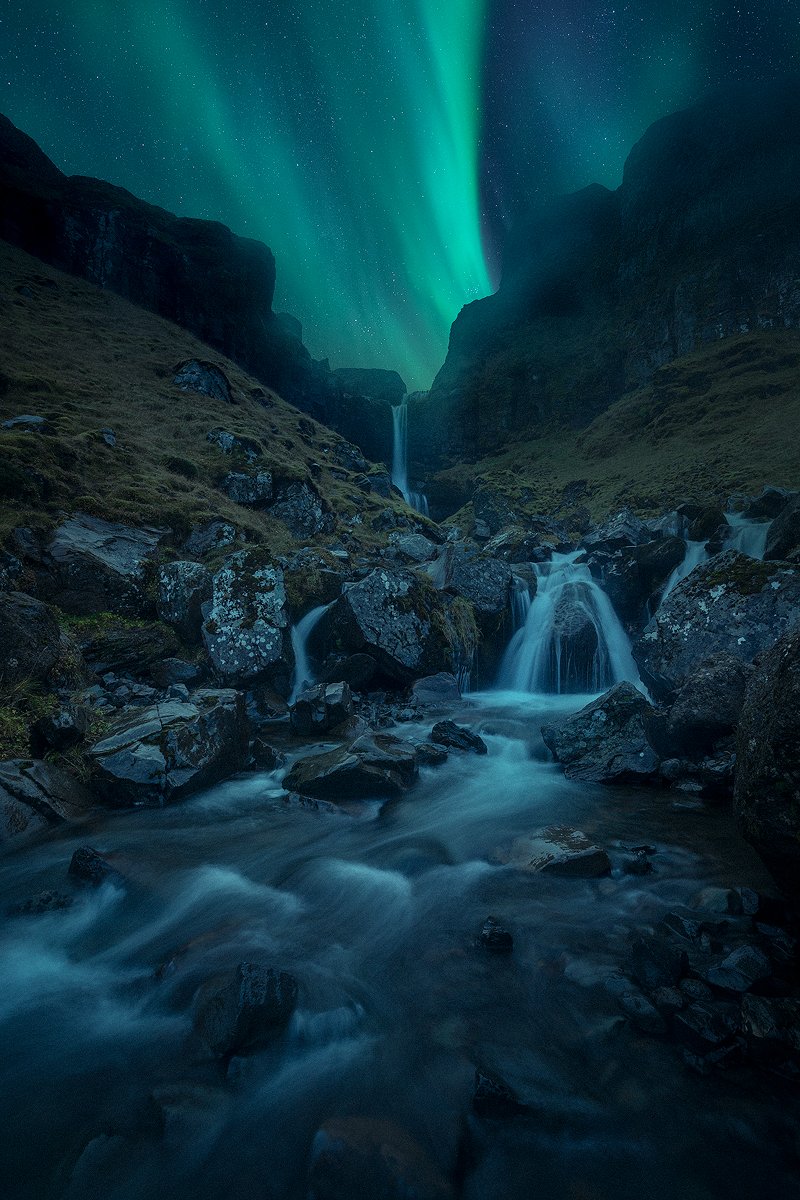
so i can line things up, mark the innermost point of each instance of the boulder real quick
(357, 670)
(732, 603)
(183, 589)
(492, 509)
(375, 767)
(161, 753)
(234, 443)
(738, 971)
(35, 794)
(60, 729)
(767, 789)
(556, 850)
(100, 566)
(621, 529)
(204, 378)
(485, 582)
(245, 624)
(457, 737)
(252, 491)
(215, 535)
(89, 866)
(606, 741)
(365, 1157)
(27, 423)
(302, 511)
(495, 938)
(768, 504)
(241, 1011)
(320, 708)
(395, 618)
(413, 547)
(783, 537)
(30, 639)
(127, 649)
(708, 706)
(772, 1020)
(492, 1097)
(436, 691)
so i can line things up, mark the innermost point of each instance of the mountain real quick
(601, 289)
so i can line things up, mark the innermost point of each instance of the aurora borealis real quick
(378, 146)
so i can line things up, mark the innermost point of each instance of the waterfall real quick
(571, 639)
(520, 601)
(746, 536)
(695, 554)
(416, 500)
(303, 674)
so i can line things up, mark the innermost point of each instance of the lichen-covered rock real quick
(251, 491)
(606, 741)
(100, 566)
(35, 794)
(302, 511)
(205, 378)
(732, 603)
(375, 767)
(30, 639)
(183, 589)
(159, 754)
(245, 624)
(396, 619)
(215, 535)
(234, 443)
(767, 789)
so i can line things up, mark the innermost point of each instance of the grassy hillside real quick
(87, 360)
(721, 420)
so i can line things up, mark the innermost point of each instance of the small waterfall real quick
(416, 500)
(747, 536)
(520, 601)
(571, 639)
(696, 553)
(303, 674)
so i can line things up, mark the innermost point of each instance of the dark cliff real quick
(700, 241)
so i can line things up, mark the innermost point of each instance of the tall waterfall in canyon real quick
(417, 500)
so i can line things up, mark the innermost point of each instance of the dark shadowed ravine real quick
(106, 1091)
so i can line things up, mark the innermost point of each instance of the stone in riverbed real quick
(492, 1097)
(606, 741)
(773, 1020)
(457, 737)
(35, 794)
(495, 938)
(320, 708)
(708, 705)
(366, 1157)
(89, 866)
(241, 1011)
(556, 850)
(376, 766)
(436, 691)
(739, 971)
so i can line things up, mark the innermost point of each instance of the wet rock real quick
(59, 730)
(41, 903)
(127, 649)
(241, 1011)
(457, 737)
(622, 529)
(557, 850)
(215, 535)
(395, 618)
(739, 971)
(704, 1026)
(655, 963)
(773, 1020)
(252, 491)
(669, 1000)
(245, 626)
(376, 766)
(768, 504)
(732, 603)
(263, 756)
(637, 864)
(642, 1014)
(493, 1098)
(89, 866)
(495, 938)
(205, 378)
(719, 900)
(708, 705)
(695, 989)
(357, 670)
(35, 794)
(234, 443)
(364, 1157)
(436, 691)
(101, 566)
(429, 755)
(783, 538)
(159, 754)
(183, 588)
(767, 790)
(320, 708)
(606, 741)
(302, 511)
(30, 645)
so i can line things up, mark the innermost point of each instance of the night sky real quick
(378, 146)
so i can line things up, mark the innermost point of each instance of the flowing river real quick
(105, 1093)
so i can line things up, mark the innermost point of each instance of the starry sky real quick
(380, 147)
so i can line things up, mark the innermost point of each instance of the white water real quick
(303, 673)
(540, 659)
(696, 553)
(746, 536)
(417, 500)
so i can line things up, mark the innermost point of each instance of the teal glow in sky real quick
(378, 146)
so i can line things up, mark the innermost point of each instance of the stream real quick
(104, 1089)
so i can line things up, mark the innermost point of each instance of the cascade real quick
(571, 639)
(747, 536)
(696, 553)
(417, 500)
(303, 674)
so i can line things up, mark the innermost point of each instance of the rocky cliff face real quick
(198, 274)
(601, 288)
